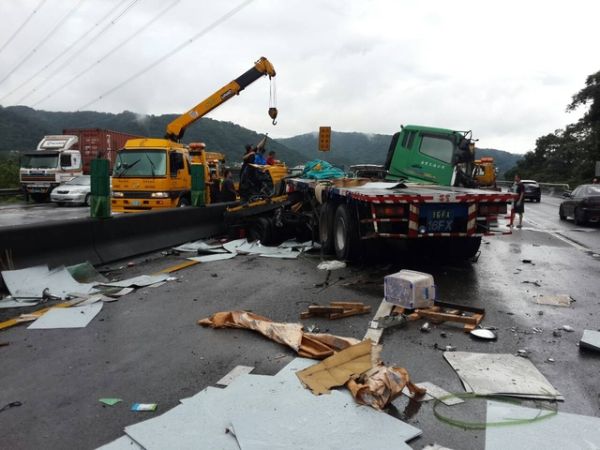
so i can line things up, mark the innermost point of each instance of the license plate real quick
(440, 219)
(136, 202)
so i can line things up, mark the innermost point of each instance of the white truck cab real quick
(57, 159)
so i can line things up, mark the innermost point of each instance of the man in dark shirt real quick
(228, 193)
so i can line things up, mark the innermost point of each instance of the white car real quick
(75, 191)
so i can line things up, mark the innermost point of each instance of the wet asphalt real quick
(147, 347)
(12, 214)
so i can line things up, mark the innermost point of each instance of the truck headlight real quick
(159, 195)
(117, 194)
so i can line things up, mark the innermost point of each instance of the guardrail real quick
(10, 192)
(101, 241)
(554, 189)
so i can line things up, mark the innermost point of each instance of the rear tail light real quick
(390, 211)
(492, 209)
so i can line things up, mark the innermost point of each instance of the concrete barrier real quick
(103, 241)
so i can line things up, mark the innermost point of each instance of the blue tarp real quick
(321, 170)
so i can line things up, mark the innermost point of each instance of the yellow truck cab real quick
(155, 174)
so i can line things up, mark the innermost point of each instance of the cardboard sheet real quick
(74, 317)
(561, 431)
(233, 374)
(31, 282)
(12, 303)
(554, 300)
(122, 443)
(501, 374)
(337, 369)
(310, 345)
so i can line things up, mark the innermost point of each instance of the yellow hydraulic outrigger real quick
(261, 68)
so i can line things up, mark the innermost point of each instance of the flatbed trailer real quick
(344, 215)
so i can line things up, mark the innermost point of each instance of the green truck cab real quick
(427, 155)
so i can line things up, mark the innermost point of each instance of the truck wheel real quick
(345, 232)
(471, 247)
(579, 217)
(261, 230)
(39, 198)
(183, 202)
(326, 216)
(561, 213)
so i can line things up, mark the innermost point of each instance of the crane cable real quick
(119, 16)
(18, 30)
(32, 52)
(273, 100)
(117, 47)
(61, 54)
(171, 53)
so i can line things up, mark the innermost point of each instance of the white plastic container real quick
(409, 289)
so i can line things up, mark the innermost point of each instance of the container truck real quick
(59, 158)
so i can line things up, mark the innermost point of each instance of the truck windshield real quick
(39, 161)
(141, 163)
(438, 148)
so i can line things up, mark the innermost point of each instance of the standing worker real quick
(519, 202)
(228, 193)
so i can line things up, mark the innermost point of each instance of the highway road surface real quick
(147, 347)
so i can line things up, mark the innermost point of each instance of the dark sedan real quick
(583, 204)
(532, 190)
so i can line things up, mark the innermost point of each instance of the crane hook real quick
(273, 115)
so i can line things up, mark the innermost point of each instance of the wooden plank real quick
(351, 305)
(319, 309)
(180, 266)
(348, 313)
(445, 317)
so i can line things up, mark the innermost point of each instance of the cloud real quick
(504, 70)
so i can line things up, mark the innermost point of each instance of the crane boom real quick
(262, 67)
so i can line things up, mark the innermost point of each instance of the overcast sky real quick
(506, 70)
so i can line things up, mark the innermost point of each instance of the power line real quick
(60, 23)
(65, 51)
(18, 30)
(167, 55)
(107, 54)
(100, 32)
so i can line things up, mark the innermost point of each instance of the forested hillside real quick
(21, 128)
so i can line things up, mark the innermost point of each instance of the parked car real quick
(583, 204)
(75, 191)
(532, 190)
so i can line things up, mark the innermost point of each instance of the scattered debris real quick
(211, 258)
(550, 360)
(4, 344)
(567, 328)
(554, 300)
(310, 345)
(523, 353)
(313, 328)
(426, 327)
(398, 321)
(379, 386)
(10, 405)
(535, 283)
(9, 302)
(557, 429)
(409, 289)
(337, 369)
(262, 412)
(481, 333)
(75, 317)
(556, 333)
(527, 261)
(336, 310)
(144, 407)
(441, 312)
(140, 281)
(374, 332)
(434, 391)
(110, 401)
(30, 283)
(590, 340)
(233, 374)
(201, 247)
(501, 374)
(243, 247)
(450, 348)
(331, 265)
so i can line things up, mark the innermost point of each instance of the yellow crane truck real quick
(153, 173)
